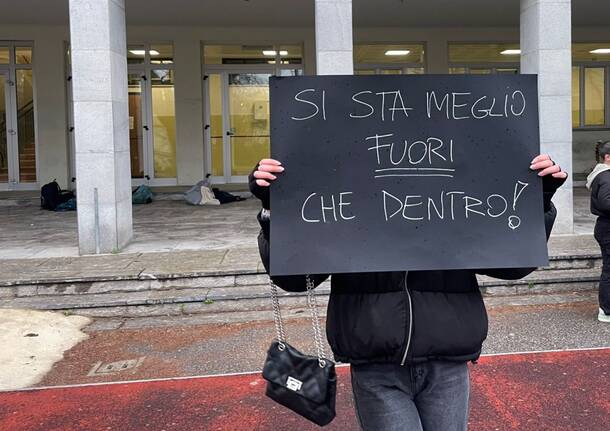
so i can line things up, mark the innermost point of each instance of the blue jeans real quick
(431, 396)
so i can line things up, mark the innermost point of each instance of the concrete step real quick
(233, 293)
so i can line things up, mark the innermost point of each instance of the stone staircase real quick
(226, 292)
(27, 163)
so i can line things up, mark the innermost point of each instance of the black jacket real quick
(600, 195)
(402, 317)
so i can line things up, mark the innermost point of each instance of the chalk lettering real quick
(432, 151)
(309, 102)
(355, 99)
(495, 205)
(444, 102)
(466, 105)
(328, 205)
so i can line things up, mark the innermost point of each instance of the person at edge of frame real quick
(598, 182)
(407, 335)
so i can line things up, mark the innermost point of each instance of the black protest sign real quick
(389, 173)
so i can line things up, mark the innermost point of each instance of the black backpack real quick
(52, 195)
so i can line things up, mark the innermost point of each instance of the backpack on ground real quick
(69, 205)
(51, 195)
(142, 195)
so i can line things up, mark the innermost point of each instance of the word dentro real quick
(450, 205)
(451, 105)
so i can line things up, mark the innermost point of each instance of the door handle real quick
(145, 127)
(229, 133)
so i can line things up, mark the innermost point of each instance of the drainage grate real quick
(101, 369)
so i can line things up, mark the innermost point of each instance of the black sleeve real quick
(549, 187)
(262, 193)
(603, 195)
(290, 283)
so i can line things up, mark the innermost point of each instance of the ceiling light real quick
(142, 52)
(271, 52)
(397, 52)
(600, 51)
(511, 52)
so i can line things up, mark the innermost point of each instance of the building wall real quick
(50, 86)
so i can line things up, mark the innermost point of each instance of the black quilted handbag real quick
(305, 384)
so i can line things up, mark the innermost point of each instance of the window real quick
(484, 58)
(389, 59)
(252, 54)
(591, 66)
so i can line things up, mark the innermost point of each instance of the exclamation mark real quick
(514, 221)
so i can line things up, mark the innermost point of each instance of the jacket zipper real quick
(404, 358)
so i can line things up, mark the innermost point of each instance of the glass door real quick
(5, 128)
(25, 136)
(137, 126)
(247, 128)
(237, 128)
(152, 126)
(17, 128)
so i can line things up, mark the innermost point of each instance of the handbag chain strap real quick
(277, 316)
(312, 304)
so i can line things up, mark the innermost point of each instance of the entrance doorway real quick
(17, 130)
(236, 94)
(152, 126)
(238, 119)
(152, 114)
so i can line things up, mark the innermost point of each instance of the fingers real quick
(553, 169)
(270, 168)
(269, 162)
(541, 164)
(264, 175)
(561, 175)
(540, 158)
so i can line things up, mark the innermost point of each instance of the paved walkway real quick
(168, 224)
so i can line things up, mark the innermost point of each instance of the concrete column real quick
(546, 37)
(189, 106)
(101, 124)
(334, 41)
(437, 54)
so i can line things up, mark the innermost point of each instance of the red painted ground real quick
(541, 391)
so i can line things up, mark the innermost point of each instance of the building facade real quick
(103, 95)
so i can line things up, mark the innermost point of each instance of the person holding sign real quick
(407, 335)
(598, 182)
